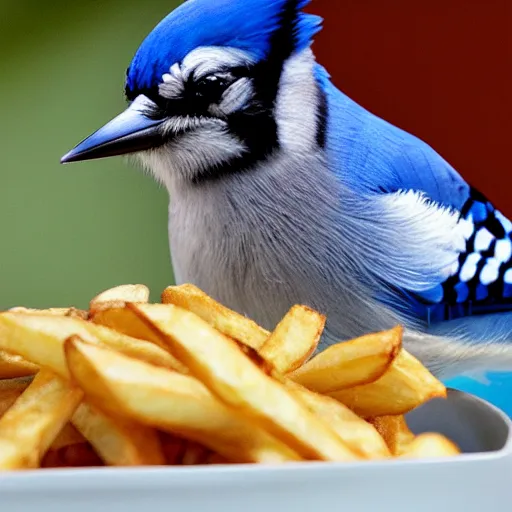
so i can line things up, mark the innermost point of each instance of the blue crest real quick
(244, 24)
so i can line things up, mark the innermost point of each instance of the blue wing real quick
(482, 279)
(375, 157)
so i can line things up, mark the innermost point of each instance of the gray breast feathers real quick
(261, 243)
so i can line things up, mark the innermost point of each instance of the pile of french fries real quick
(189, 382)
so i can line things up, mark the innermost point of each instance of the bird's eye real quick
(210, 88)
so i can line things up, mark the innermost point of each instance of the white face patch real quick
(192, 153)
(234, 99)
(206, 60)
(297, 104)
(202, 62)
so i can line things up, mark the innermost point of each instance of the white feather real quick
(297, 104)
(191, 153)
(483, 240)
(503, 250)
(490, 272)
(201, 61)
(234, 99)
(205, 60)
(469, 268)
(430, 238)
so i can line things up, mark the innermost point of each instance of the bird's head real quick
(216, 86)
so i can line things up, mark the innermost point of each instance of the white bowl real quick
(480, 480)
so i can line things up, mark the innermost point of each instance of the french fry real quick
(125, 321)
(40, 339)
(357, 433)
(118, 296)
(217, 361)
(13, 366)
(119, 442)
(294, 339)
(80, 455)
(68, 436)
(10, 390)
(228, 322)
(406, 385)
(430, 445)
(195, 454)
(72, 312)
(182, 452)
(171, 402)
(34, 421)
(72, 456)
(395, 431)
(351, 363)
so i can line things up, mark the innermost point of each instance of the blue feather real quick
(243, 24)
(375, 157)
(386, 158)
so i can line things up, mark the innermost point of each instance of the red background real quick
(441, 69)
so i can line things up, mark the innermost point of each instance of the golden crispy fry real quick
(430, 445)
(294, 339)
(118, 296)
(217, 361)
(13, 366)
(357, 433)
(183, 452)
(169, 401)
(228, 322)
(125, 321)
(395, 431)
(351, 363)
(73, 312)
(40, 339)
(68, 436)
(406, 385)
(119, 442)
(10, 390)
(34, 421)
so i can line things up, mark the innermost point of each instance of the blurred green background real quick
(68, 232)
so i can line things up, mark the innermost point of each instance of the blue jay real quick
(283, 190)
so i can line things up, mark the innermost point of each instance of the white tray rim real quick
(112, 478)
(107, 478)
